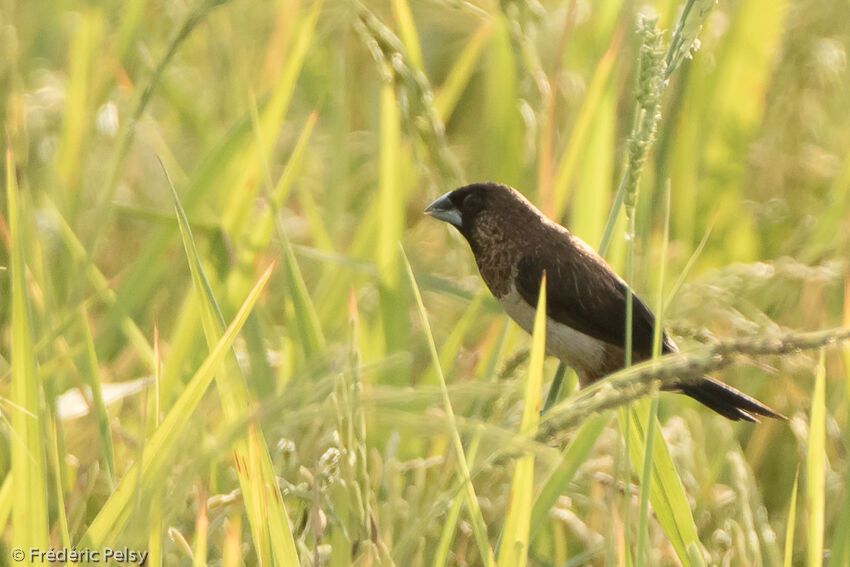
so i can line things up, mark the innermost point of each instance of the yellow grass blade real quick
(239, 210)
(479, 527)
(407, 31)
(84, 53)
(158, 454)
(6, 499)
(815, 455)
(789, 526)
(390, 220)
(262, 498)
(104, 292)
(461, 72)
(581, 130)
(29, 476)
(305, 318)
(573, 456)
(517, 528)
(666, 493)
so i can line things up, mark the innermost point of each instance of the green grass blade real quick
(643, 519)
(133, 14)
(555, 386)
(454, 342)
(140, 280)
(264, 504)
(84, 51)
(666, 494)
(125, 140)
(680, 280)
(502, 147)
(479, 527)
(29, 512)
(58, 469)
(815, 455)
(592, 184)
(90, 374)
(839, 553)
(572, 458)
(392, 196)
(840, 550)
(144, 477)
(646, 483)
(693, 16)
(441, 554)
(306, 319)
(407, 32)
(238, 214)
(461, 73)
(309, 328)
(517, 527)
(96, 278)
(789, 526)
(582, 129)
(6, 499)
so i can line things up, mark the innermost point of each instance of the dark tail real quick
(727, 401)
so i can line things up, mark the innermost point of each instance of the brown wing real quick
(585, 295)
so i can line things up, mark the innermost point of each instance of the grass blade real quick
(140, 281)
(103, 291)
(199, 546)
(407, 31)
(454, 342)
(840, 550)
(839, 553)
(815, 455)
(461, 73)
(29, 476)
(144, 477)
(58, 469)
(479, 527)
(309, 328)
(6, 499)
(83, 55)
(581, 130)
(499, 114)
(261, 495)
(90, 372)
(441, 555)
(517, 527)
(657, 334)
(789, 527)
(238, 215)
(666, 494)
(572, 458)
(306, 319)
(646, 483)
(390, 220)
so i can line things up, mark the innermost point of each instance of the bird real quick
(514, 244)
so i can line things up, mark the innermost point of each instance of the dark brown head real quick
(485, 211)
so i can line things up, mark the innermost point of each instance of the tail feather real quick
(727, 401)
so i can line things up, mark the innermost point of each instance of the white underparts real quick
(582, 352)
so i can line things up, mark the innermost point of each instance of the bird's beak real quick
(444, 210)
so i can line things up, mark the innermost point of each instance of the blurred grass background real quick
(312, 134)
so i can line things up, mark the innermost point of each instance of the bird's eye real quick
(473, 202)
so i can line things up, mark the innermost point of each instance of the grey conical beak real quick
(444, 209)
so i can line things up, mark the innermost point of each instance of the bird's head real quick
(481, 208)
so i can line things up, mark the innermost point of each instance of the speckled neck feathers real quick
(493, 236)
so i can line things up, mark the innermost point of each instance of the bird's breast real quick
(589, 357)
